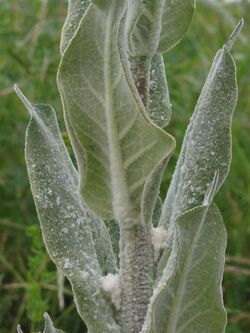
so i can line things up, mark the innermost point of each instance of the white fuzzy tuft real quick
(110, 284)
(159, 240)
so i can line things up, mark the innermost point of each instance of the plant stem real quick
(140, 69)
(136, 252)
(136, 276)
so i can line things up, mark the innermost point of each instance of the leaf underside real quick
(68, 227)
(207, 142)
(157, 26)
(76, 10)
(120, 144)
(188, 298)
(159, 107)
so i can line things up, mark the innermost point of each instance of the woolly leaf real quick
(159, 107)
(76, 10)
(116, 146)
(156, 26)
(114, 231)
(49, 328)
(65, 220)
(176, 18)
(157, 212)
(107, 256)
(207, 142)
(188, 297)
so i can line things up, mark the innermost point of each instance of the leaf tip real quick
(23, 99)
(48, 321)
(16, 89)
(19, 330)
(229, 44)
(46, 317)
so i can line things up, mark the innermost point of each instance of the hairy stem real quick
(136, 268)
(140, 69)
(136, 252)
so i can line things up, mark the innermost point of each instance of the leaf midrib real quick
(181, 286)
(119, 187)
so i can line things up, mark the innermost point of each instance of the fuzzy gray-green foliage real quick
(48, 327)
(170, 284)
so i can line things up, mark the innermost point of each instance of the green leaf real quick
(114, 231)
(157, 212)
(188, 297)
(103, 245)
(118, 148)
(207, 142)
(76, 10)
(143, 26)
(49, 328)
(176, 18)
(156, 26)
(159, 107)
(65, 220)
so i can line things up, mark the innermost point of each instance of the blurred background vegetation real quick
(29, 55)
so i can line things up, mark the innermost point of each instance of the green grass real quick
(29, 39)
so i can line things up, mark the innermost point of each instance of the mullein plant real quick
(135, 264)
